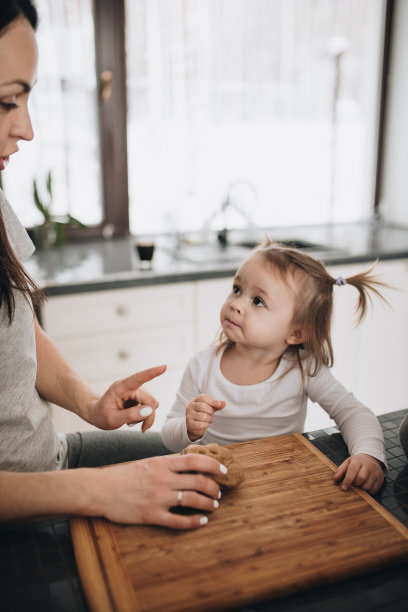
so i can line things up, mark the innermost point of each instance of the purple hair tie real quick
(340, 281)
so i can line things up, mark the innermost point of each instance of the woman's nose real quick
(22, 128)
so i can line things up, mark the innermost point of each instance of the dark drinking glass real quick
(145, 250)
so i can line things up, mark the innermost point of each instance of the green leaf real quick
(44, 210)
(49, 184)
(74, 221)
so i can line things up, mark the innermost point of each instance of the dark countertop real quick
(114, 264)
(38, 570)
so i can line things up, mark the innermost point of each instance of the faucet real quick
(229, 202)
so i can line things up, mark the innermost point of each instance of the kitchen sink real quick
(233, 254)
(212, 254)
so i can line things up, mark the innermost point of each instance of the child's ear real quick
(296, 336)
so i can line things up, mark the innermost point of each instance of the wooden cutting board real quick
(287, 527)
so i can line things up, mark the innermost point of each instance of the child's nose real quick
(236, 305)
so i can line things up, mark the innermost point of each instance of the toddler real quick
(275, 352)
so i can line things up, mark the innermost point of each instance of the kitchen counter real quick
(114, 264)
(38, 570)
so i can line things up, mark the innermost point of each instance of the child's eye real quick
(236, 290)
(258, 302)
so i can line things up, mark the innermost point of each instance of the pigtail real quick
(367, 285)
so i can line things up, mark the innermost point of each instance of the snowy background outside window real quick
(280, 94)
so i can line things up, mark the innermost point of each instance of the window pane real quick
(281, 95)
(64, 117)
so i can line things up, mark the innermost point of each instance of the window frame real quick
(109, 28)
(109, 20)
(389, 21)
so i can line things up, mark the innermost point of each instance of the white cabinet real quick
(381, 361)
(108, 335)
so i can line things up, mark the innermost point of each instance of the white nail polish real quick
(216, 504)
(203, 520)
(146, 411)
(131, 424)
(219, 494)
(223, 469)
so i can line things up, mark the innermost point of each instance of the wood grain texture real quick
(104, 578)
(286, 528)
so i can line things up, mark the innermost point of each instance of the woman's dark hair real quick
(13, 9)
(12, 274)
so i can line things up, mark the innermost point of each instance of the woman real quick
(33, 457)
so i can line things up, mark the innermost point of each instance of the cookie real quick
(235, 474)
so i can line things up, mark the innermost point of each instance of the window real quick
(65, 119)
(276, 101)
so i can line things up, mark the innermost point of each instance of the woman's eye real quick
(258, 302)
(8, 105)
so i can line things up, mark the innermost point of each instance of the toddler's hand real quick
(362, 471)
(199, 415)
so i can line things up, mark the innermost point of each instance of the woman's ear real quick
(297, 336)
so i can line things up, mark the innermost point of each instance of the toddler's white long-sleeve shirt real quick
(273, 407)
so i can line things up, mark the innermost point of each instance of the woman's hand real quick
(131, 493)
(362, 471)
(125, 402)
(142, 492)
(199, 415)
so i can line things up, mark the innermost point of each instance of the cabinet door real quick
(96, 313)
(111, 356)
(382, 381)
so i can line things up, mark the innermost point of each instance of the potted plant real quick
(51, 232)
